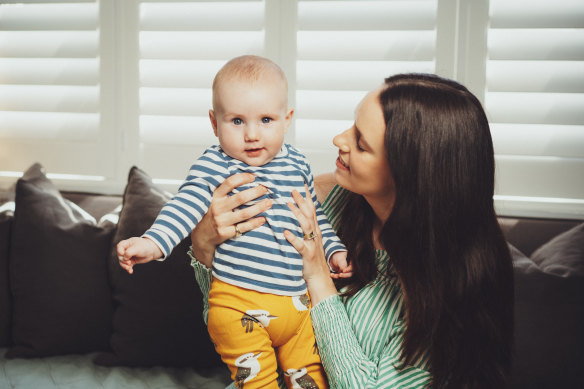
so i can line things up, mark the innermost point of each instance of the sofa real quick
(72, 318)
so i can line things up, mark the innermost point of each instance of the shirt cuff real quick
(204, 278)
(194, 261)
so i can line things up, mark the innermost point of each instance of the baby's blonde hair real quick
(249, 68)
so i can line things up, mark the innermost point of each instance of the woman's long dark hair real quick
(442, 236)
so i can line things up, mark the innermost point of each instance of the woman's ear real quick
(213, 120)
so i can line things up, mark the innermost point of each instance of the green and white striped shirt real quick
(359, 337)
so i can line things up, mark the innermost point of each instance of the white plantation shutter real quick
(91, 87)
(51, 89)
(535, 102)
(347, 48)
(181, 47)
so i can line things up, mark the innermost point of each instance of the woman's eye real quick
(237, 121)
(358, 143)
(266, 120)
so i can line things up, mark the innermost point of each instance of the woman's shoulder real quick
(323, 184)
(332, 198)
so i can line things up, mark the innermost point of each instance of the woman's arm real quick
(350, 364)
(344, 344)
(315, 270)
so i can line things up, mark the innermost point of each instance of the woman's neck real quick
(381, 209)
(377, 244)
(381, 206)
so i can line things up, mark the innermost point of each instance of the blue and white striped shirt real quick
(261, 259)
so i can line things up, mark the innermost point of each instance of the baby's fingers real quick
(126, 264)
(346, 272)
(121, 248)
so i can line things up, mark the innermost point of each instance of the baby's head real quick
(250, 114)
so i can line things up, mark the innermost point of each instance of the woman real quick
(430, 297)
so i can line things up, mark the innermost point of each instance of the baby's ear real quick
(213, 120)
(289, 116)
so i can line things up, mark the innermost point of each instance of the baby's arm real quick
(137, 250)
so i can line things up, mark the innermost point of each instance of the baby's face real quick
(251, 118)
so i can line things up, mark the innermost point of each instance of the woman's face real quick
(362, 166)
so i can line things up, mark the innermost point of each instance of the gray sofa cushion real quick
(158, 314)
(58, 277)
(564, 254)
(549, 317)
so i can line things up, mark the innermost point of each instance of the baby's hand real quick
(339, 266)
(136, 250)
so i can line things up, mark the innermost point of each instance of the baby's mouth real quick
(254, 151)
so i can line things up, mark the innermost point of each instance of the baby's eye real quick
(237, 121)
(266, 120)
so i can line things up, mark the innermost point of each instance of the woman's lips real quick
(341, 164)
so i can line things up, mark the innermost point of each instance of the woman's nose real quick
(340, 141)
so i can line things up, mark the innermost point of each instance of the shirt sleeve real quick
(180, 215)
(346, 364)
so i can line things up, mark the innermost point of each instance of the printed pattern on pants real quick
(255, 333)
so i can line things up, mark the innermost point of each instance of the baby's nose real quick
(251, 132)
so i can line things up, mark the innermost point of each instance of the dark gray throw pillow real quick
(549, 323)
(158, 309)
(564, 254)
(58, 274)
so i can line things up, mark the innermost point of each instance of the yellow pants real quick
(256, 332)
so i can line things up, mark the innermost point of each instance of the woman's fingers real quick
(304, 203)
(305, 212)
(305, 221)
(233, 182)
(230, 203)
(243, 197)
(224, 212)
(241, 215)
(295, 241)
(250, 224)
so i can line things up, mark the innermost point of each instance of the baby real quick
(258, 303)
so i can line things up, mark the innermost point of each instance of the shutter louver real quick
(50, 88)
(182, 46)
(344, 50)
(535, 102)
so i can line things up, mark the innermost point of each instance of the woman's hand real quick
(316, 272)
(223, 220)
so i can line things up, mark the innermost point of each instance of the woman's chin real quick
(340, 177)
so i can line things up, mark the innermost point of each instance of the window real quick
(345, 49)
(91, 87)
(53, 85)
(535, 101)
(181, 47)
